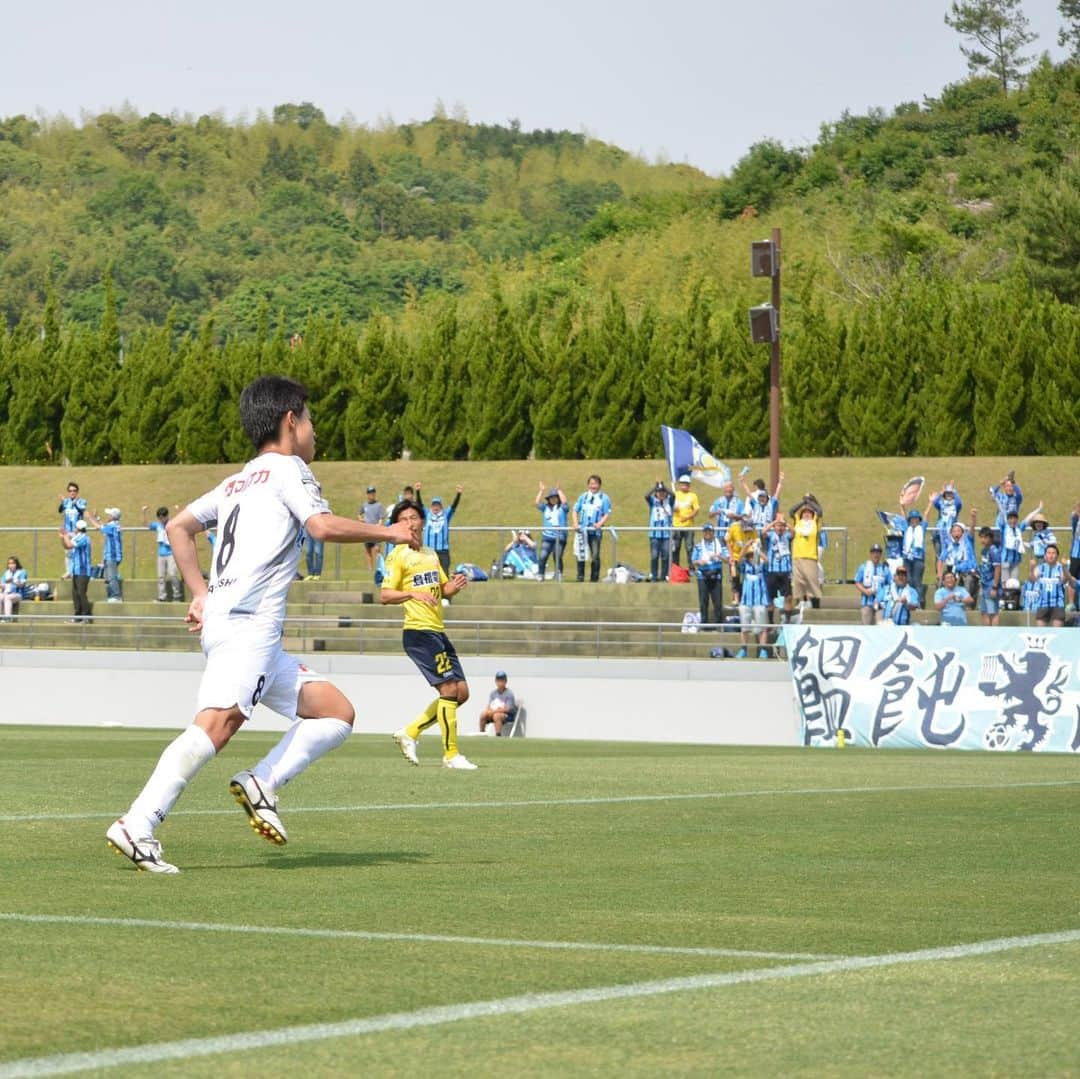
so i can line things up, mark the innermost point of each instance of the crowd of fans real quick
(770, 559)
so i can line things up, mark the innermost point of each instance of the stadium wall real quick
(703, 702)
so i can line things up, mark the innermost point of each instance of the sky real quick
(677, 80)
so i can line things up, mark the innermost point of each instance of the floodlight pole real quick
(774, 375)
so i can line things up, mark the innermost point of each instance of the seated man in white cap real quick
(501, 706)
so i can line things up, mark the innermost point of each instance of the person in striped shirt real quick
(1008, 497)
(898, 599)
(437, 528)
(77, 543)
(990, 580)
(777, 538)
(1051, 579)
(591, 513)
(870, 578)
(113, 554)
(753, 601)
(661, 505)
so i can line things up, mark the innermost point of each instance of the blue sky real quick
(696, 82)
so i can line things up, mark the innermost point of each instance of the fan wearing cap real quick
(762, 506)
(682, 519)
(661, 503)
(555, 512)
(501, 706)
(913, 549)
(437, 528)
(1050, 579)
(113, 554)
(708, 558)
(1042, 535)
(78, 543)
(371, 512)
(898, 599)
(870, 578)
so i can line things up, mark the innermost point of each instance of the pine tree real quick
(92, 408)
(431, 423)
(497, 404)
(998, 30)
(612, 411)
(149, 398)
(200, 435)
(813, 345)
(373, 414)
(554, 403)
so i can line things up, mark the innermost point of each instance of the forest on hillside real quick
(470, 290)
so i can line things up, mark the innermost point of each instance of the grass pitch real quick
(693, 860)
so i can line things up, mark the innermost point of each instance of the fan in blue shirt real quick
(1008, 497)
(661, 503)
(591, 513)
(870, 578)
(990, 570)
(952, 600)
(555, 512)
(898, 599)
(113, 554)
(753, 601)
(437, 528)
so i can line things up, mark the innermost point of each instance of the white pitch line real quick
(67, 1063)
(433, 938)
(24, 818)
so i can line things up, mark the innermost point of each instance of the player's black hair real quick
(265, 402)
(402, 506)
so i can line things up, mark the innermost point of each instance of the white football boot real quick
(407, 746)
(460, 762)
(260, 806)
(144, 851)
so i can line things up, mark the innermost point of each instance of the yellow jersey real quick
(412, 571)
(739, 538)
(686, 507)
(804, 540)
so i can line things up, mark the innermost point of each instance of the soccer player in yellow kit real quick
(415, 578)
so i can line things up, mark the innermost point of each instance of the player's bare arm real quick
(395, 595)
(455, 584)
(330, 527)
(182, 530)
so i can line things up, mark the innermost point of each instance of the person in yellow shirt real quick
(415, 578)
(740, 535)
(804, 553)
(682, 519)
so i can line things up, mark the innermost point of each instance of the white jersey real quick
(260, 515)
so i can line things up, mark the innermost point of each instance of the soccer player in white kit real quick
(261, 514)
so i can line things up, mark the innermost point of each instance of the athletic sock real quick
(302, 744)
(179, 763)
(422, 721)
(447, 715)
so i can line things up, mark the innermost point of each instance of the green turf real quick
(975, 856)
(503, 492)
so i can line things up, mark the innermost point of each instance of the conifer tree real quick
(373, 413)
(612, 410)
(497, 404)
(554, 403)
(199, 431)
(149, 398)
(431, 423)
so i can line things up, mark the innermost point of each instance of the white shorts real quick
(250, 668)
(753, 615)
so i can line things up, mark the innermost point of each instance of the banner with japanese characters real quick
(937, 687)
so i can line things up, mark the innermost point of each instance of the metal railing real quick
(346, 634)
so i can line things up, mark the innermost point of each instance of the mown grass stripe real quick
(187, 1049)
(627, 799)
(367, 935)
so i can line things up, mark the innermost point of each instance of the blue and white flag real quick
(686, 455)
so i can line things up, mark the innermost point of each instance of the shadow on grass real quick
(320, 860)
